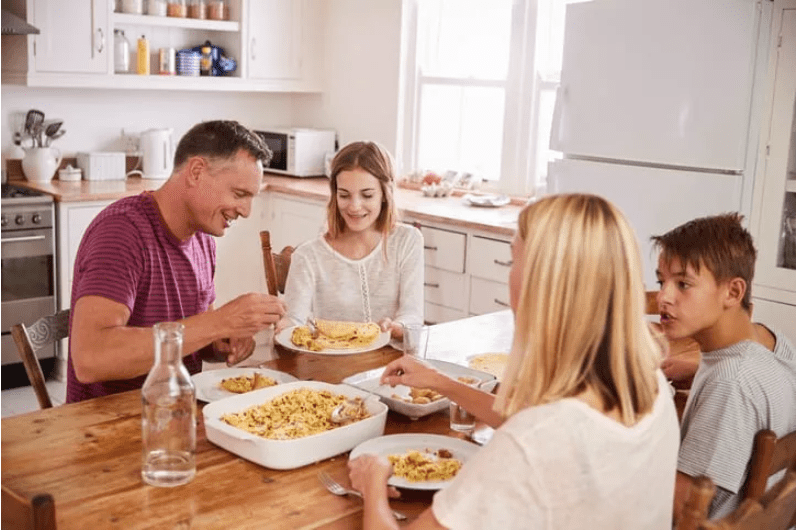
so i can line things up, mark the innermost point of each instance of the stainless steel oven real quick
(28, 271)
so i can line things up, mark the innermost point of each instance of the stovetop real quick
(25, 209)
(13, 194)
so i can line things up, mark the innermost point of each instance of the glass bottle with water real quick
(168, 419)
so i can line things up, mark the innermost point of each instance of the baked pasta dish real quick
(295, 414)
(417, 466)
(336, 335)
(246, 383)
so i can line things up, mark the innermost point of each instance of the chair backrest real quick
(30, 339)
(276, 264)
(770, 455)
(21, 513)
(775, 510)
(652, 302)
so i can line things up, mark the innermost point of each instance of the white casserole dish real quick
(290, 454)
(370, 382)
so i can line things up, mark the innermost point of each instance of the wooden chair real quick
(770, 455)
(276, 264)
(20, 513)
(30, 339)
(775, 510)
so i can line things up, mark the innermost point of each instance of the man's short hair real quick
(220, 139)
(718, 242)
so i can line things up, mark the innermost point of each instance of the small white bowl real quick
(70, 174)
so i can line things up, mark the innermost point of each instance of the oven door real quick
(277, 142)
(28, 284)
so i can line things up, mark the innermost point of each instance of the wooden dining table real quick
(87, 455)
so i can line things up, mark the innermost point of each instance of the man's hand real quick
(235, 350)
(250, 313)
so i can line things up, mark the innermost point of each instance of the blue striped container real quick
(188, 63)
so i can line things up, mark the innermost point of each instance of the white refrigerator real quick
(655, 110)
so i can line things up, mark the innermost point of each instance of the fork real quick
(338, 489)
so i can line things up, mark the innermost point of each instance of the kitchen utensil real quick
(51, 128)
(349, 410)
(158, 153)
(55, 136)
(338, 489)
(33, 120)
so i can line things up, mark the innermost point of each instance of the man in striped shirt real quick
(150, 258)
(746, 378)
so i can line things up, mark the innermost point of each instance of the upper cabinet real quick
(275, 44)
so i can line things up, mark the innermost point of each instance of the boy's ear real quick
(736, 289)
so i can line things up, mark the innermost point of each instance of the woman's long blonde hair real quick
(579, 320)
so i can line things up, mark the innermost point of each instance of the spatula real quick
(33, 121)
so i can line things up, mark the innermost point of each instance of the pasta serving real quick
(295, 414)
(416, 466)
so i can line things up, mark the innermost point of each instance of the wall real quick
(93, 118)
(362, 44)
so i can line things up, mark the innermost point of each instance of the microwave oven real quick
(299, 152)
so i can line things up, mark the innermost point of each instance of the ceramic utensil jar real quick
(40, 163)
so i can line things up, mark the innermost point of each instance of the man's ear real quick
(736, 289)
(194, 169)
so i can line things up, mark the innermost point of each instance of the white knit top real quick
(326, 284)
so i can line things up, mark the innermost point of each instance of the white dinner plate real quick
(208, 384)
(489, 201)
(399, 444)
(283, 339)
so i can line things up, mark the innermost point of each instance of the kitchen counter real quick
(449, 210)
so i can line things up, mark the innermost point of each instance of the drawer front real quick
(436, 314)
(444, 249)
(487, 296)
(490, 258)
(445, 288)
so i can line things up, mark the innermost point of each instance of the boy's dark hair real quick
(220, 139)
(718, 242)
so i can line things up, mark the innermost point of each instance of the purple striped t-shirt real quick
(128, 255)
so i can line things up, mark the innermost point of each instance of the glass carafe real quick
(168, 419)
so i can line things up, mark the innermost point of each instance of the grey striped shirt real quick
(737, 391)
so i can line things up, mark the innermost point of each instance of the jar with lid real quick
(177, 8)
(168, 419)
(121, 52)
(133, 7)
(217, 9)
(156, 8)
(197, 9)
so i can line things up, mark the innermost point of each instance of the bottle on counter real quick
(168, 419)
(142, 64)
(121, 52)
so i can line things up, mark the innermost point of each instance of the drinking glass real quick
(415, 340)
(462, 420)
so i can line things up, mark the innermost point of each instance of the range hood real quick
(13, 25)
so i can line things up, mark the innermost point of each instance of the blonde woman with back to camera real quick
(587, 433)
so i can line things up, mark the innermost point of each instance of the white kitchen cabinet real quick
(72, 220)
(74, 40)
(776, 315)
(292, 220)
(444, 249)
(773, 221)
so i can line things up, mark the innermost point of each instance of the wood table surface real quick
(88, 455)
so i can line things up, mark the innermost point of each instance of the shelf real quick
(174, 22)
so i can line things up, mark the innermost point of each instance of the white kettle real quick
(158, 153)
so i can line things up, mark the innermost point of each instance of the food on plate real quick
(419, 396)
(468, 380)
(336, 335)
(417, 466)
(246, 383)
(295, 414)
(491, 363)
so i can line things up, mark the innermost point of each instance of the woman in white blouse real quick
(367, 267)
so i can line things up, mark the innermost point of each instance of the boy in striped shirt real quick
(746, 378)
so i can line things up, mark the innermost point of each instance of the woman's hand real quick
(410, 371)
(369, 474)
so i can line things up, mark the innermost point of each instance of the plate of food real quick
(489, 201)
(420, 461)
(213, 385)
(491, 363)
(334, 337)
(418, 402)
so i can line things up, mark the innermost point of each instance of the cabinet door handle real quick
(429, 247)
(254, 43)
(503, 263)
(501, 303)
(434, 285)
(100, 40)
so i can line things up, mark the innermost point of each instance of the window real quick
(481, 83)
